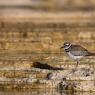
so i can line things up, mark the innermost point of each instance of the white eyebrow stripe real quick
(67, 44)
(68, 47)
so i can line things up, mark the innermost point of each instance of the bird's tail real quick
(91, 54)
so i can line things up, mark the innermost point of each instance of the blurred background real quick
(31, 34)
(47, 5)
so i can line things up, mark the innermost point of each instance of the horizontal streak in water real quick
(38, 7)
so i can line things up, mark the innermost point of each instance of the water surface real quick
(43, 92)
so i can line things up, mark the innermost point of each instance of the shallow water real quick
(43, 92)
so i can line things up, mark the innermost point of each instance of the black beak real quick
(62, 47)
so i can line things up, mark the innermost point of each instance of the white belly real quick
(74, 57)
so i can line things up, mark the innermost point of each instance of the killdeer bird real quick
(76, 52)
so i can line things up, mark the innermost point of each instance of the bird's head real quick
(66, 45)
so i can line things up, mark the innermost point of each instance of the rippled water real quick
(43, 92)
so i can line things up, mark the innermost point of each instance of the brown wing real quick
(77, 50)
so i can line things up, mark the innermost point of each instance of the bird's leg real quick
(76, 66)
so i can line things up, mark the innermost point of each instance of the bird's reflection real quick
(62, 92)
